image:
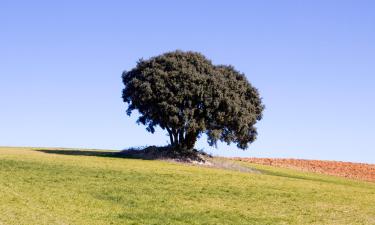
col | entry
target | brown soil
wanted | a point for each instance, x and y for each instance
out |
(359, 171)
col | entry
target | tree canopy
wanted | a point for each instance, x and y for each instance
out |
(187, 95)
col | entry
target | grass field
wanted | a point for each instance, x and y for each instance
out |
(58, 187)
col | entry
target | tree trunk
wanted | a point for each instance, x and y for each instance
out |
(181, 140)
(175, 137)
(170, 136)
(190, 139)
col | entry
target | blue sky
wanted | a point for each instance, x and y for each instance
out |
(313, 62)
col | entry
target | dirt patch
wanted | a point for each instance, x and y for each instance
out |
(358, 171)
(164, 153)
(228, 164)
(195, 157)
(218, 163)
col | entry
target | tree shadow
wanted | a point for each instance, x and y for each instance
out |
(127, 153)
(146, 153)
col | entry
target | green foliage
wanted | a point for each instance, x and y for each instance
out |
(185, 94)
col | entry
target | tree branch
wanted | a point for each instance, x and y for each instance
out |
(170, 135)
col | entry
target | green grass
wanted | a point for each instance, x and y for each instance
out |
(50, 188)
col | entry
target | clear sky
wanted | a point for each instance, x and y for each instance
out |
(313, 62)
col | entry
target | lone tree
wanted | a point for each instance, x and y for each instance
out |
(186, 95)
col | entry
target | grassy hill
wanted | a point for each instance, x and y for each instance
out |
(73, 187)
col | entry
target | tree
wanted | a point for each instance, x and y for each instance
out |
(186, 95)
